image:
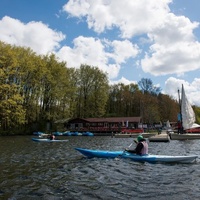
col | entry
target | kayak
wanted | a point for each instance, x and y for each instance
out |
(40, 134)
(67, 133)
(47, 140)
(87, 134)
(144, 158)
(57, 133)
(76, 134)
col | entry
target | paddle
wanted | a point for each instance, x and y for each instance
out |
(119, 156)
(129, 146)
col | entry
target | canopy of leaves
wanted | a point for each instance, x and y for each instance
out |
(38, 89)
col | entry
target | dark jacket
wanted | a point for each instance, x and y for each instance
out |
(138, 148)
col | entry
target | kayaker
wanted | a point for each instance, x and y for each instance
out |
(141, 148)
(52, 137)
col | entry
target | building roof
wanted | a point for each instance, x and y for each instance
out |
(61, 121)
(114, 119)
(106, 120)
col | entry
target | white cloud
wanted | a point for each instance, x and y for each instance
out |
(174, 49)
(35, 35)
(77, 8)
(192, 90)
(112, 70)
(131, 17)
(91, 51)
(123, 80)
(86, 50)
(123, 50)
(168, 40)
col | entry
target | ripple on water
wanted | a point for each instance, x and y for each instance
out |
(56, 171)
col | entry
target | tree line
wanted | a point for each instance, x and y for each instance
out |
(36, 89)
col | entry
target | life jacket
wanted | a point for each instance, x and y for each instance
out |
(145, 148)
(52, 137)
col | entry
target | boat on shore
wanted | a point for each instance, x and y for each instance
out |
(89, 153)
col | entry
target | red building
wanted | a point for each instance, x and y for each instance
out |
(101, 125)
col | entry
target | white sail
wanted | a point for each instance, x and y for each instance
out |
(188, 115)
(168, 125)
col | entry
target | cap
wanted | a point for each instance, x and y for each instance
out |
(140, 137)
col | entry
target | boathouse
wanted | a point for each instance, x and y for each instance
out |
(102, 125)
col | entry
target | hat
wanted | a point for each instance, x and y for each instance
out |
(140, 137)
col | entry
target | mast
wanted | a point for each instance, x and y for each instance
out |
(180, 112)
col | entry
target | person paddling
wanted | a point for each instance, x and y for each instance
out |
(141, 148)
(52, 137)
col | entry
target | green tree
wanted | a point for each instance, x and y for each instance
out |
(11, 109)
(197, 114)
(92, 92)
(124, 100)
(147, 86)
(168, 108)
(35, 89)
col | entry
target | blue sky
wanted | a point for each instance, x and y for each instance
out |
(129, 40)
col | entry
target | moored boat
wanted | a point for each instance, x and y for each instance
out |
(67, 133)
(57, 133)
(87, 134)
(76, 134)
(188, 119)
(144, 158)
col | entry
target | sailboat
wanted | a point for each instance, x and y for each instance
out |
(168, 127)
(188, 120)
(188, 115)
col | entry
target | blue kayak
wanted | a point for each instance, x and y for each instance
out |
(87, 134)
(144, 158)
(76, 134)
(39, 133)
(47, 140)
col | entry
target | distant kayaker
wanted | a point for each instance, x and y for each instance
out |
(141, 148)
(52, 137)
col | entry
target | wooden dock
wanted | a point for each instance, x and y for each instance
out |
(185, 136)
(152, 137)
(163, 137)
(134, 135)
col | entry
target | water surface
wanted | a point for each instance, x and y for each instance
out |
(31, 170)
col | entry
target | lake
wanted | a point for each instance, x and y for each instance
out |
(54, 171)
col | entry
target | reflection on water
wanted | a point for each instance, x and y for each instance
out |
(31, 170)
